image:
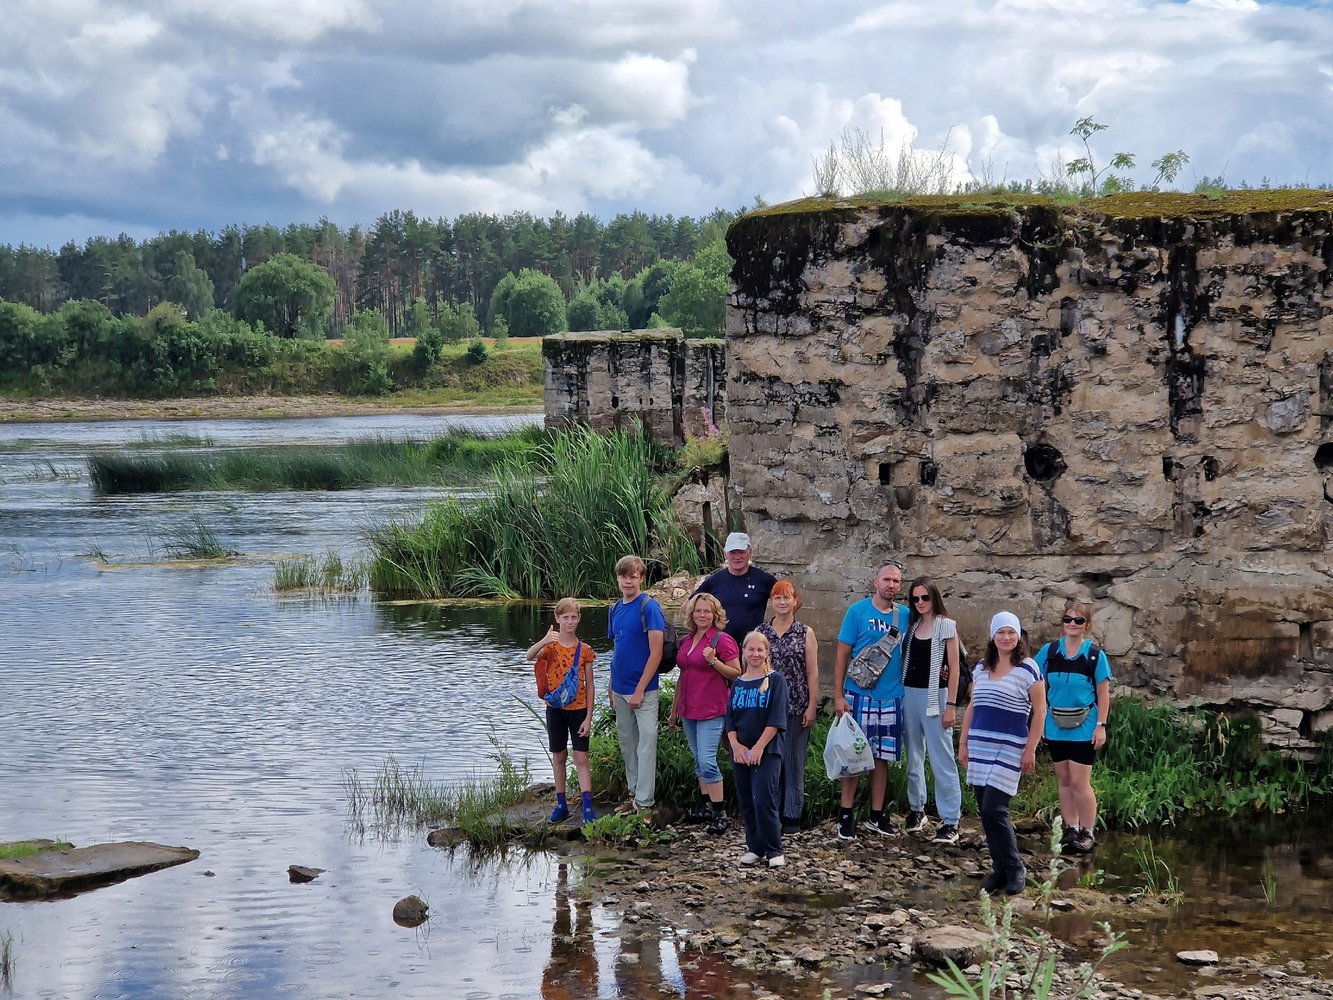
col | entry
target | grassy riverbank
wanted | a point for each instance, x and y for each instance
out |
(546, 537)
(507, 378)
(454, 458)
(1161, 765)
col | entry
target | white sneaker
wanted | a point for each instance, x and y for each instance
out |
(777, 861)
(749, 858)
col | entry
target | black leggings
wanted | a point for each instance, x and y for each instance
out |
(1000, 836)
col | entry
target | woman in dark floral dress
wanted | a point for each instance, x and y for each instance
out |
(795, 656)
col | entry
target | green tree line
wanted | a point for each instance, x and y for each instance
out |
(414, 272)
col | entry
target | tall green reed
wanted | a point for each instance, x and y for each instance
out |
(533, 536)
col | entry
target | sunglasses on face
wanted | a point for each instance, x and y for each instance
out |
(920, 598)
(1074, 620)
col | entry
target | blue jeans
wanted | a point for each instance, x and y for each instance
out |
(925, 737)
(703, 736)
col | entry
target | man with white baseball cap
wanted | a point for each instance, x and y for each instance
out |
(741, 588)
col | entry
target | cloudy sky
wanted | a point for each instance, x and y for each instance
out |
(146, 116)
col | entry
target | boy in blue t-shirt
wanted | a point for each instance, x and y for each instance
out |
(636, 625)
(877, 708)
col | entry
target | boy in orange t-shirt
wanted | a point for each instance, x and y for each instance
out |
(570, 700)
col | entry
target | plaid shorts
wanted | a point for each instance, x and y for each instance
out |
(882, 722)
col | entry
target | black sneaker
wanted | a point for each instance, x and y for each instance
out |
(700, 812)
(916, 822)
(884, 826)
(947, 834)
(1067, 835)
(1084, 841)
(790, 826)
(717, 823)
(994, 883)
(847, 828)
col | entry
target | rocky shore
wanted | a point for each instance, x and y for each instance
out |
(871, 918)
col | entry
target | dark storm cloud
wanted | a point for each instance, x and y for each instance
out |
(186, 113)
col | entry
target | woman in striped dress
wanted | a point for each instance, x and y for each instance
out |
(1001, 729)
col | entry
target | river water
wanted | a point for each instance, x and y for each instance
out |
(189, 705)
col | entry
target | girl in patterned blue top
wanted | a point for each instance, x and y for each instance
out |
(1001, 729)
(756, 717)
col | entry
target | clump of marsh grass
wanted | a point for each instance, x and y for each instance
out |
(540, 537)
(1158, 878)
(402, 798)
(8, 960)
(193, 538)
(330, 574)
(453, 458)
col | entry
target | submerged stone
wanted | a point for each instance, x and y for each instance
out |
(52, 873)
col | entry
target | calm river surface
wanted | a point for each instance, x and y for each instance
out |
(191, 706)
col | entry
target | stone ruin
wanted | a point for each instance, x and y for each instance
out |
(1131, 403)
(656, 378)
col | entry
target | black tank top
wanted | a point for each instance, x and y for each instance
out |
(918, 664)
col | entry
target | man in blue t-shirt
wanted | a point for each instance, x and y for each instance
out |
(876, 705)
(741, 589)
(636, 625)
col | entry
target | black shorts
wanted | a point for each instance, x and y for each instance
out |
(1079, 751)
(562, 728)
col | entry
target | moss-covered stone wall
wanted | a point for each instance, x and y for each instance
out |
(1129, 400)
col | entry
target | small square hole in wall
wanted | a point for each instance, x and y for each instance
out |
(885, 473)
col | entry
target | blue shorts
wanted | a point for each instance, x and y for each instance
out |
(882, 722)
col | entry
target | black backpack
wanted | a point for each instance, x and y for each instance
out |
(1087, 666)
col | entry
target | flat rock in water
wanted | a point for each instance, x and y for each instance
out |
(303, 873)
(54, 872)
(1200, 957)
(962, 945)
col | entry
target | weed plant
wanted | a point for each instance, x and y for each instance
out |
(540, 537)
(193, 539)
(27, 848)
(1269, 883)
(1158, 878)
(403, 798)
(629, 830)
(330, 574)
(7, 960)
(1032, 963)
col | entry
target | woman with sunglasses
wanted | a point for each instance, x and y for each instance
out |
(930, 699)
(1078, 693)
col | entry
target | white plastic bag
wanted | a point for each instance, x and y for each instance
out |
(847, 752)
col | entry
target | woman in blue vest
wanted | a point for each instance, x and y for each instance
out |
(1078, 698)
